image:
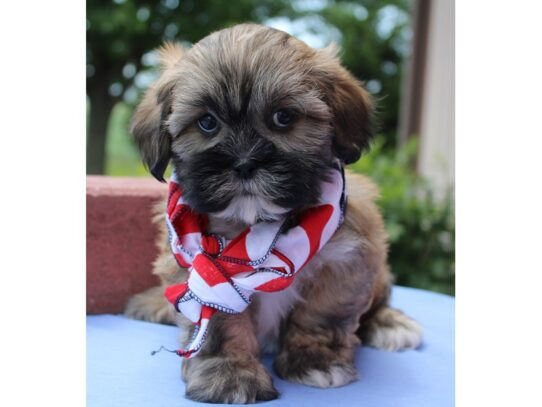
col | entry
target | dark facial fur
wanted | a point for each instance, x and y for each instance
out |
(287, 179)
(250, 168)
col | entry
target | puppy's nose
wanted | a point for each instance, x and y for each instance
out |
(245, 168)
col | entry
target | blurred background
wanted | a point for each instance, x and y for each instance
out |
(403, 51)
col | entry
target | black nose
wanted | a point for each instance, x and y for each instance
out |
(245, 168)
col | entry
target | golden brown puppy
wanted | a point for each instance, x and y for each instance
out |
(251, 119)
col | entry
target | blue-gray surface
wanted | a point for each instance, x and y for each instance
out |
(121, 372)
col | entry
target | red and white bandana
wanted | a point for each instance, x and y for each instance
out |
(225, 273)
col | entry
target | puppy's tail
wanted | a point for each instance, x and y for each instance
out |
(390, 329)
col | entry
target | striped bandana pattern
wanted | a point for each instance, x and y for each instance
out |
(223, 274)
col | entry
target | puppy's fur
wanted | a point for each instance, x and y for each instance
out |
(243, 75)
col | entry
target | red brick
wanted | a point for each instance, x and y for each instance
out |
(120, 239)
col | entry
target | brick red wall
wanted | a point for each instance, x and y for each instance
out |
(120, 239)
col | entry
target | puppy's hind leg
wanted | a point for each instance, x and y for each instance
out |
(151, 306)
(390, 329)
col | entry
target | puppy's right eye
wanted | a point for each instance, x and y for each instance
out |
(283, 118)
(208, 124)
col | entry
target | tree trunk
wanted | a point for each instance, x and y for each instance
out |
(101, 104)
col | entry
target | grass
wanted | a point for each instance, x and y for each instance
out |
(122, 157)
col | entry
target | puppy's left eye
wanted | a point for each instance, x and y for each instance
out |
(208, 124)
(283, 118)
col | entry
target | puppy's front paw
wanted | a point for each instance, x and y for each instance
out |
(314, 370)
(228, 380)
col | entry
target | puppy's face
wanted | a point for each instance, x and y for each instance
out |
(251, 119)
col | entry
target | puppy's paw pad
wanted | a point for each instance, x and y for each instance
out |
(335, 376)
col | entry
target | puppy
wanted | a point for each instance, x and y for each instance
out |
(251, 118)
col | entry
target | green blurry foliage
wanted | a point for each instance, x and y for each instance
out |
(375, 39)
(122, 157)
(421, 227)
(374, 36)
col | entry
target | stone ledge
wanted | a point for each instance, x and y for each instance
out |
(120, 239)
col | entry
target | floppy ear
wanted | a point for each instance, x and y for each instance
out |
(148, 122)
(350, 104)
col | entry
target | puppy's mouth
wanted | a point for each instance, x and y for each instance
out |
(265, 197)
(249, 208)
(249, 187)
(252, 202)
